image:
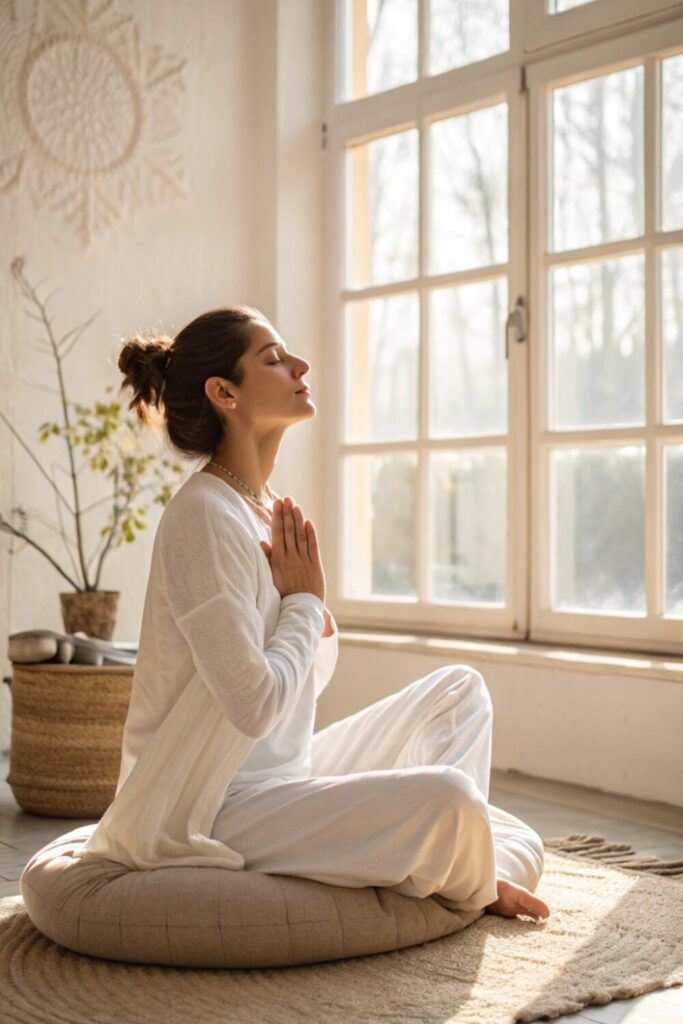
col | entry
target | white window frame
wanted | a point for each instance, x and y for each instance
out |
(545, 29)
(630, 632)
(431, 98)
(526, 614)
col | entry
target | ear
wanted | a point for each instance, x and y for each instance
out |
(217, 390)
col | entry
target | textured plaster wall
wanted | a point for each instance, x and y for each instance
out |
(149, 170)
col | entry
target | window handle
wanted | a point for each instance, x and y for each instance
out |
(517, 320)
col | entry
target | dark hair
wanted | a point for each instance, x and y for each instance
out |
(172, 372)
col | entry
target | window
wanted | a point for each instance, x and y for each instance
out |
(606, 278)
(506, 273)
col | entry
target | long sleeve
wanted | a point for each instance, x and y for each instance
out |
(210, 576)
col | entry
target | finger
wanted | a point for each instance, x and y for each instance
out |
(312, 540)
(277, 525)
(290, 539)
(300, 530)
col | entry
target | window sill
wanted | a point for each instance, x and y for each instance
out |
(572, 659)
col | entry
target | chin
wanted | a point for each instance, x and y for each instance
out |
(310, 410)
(304, 409)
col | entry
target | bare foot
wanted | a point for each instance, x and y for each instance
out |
(514, 899)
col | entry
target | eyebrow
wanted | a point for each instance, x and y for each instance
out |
(267, 345)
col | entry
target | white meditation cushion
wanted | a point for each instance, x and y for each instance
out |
(217, 917)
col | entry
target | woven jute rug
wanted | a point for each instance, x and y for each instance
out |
(615, 931)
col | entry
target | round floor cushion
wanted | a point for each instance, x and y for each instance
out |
(217, 917)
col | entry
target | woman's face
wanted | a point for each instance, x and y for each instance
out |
(272, 378)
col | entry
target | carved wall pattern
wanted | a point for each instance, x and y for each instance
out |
(89, 117)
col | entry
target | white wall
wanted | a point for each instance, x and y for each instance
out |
(248, 232)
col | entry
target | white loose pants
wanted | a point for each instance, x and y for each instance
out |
(398, 797)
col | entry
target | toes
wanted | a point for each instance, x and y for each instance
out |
(533, 905)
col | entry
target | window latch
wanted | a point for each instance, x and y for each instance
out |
(517, 320)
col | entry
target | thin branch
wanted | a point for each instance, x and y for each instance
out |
(42, 281)
(33, 316)
(117, 514)
(48, 297)
(63, 533)
(7, 527)
(17, 270)
(97, 550)
(43, 387)
(28, 450)
(142, 487)
(42, 518)
(78, 331)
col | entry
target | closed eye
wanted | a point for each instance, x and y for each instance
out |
(275, 362)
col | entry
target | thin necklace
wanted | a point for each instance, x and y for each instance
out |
(255, 498)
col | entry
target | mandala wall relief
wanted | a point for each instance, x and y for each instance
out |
(90, 118)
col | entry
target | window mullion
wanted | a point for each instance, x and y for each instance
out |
(651, 145)
(422, 38)
(518, 572)
(538, 494)
(653, 483)
(424, 552)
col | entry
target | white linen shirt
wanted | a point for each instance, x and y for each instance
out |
(224, 688)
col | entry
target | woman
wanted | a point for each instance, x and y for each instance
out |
(394, 795)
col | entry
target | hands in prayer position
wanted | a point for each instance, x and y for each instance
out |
(294, 555)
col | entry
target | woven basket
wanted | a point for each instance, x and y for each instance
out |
(67, 730)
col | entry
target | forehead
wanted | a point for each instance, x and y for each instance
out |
(263, 334)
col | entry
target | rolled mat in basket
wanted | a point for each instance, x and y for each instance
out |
(67, 730)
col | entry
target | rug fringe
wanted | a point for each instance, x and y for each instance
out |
(621, 854)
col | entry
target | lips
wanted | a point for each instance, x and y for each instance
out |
(303, 391)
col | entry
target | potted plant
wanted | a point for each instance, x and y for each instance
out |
(112, 444)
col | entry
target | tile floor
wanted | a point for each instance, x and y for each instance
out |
(551, 808)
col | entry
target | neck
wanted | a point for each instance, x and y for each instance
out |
(249, 457)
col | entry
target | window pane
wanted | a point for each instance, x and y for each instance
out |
(598, 529)
(384, 209)
(468, 502)
(672, 143)
(468, 169)
(671, 278)
(557, 6)
(598, 160)
(597, 352)
(673, 474)
(380, 543)
(381, 372)
(382, 45)
(467, 365)
(464, 31)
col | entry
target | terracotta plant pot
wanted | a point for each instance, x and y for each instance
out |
(90, 611)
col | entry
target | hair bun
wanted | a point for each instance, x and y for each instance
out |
(143, 360)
